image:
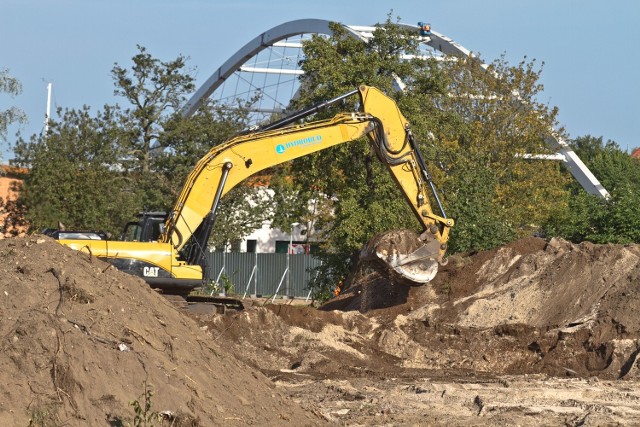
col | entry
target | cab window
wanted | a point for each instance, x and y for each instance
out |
(132, 232)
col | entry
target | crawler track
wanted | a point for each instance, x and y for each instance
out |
(205, 304)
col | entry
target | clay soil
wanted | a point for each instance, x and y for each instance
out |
(532, 333)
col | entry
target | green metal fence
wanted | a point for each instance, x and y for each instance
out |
(264, 274)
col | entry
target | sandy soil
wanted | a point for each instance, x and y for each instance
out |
(81, 341)
(533, 333)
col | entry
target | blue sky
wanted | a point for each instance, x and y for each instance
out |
(588, 48)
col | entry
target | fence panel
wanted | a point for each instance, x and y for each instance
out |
(301, 273)
(271, 268)
(263, 274)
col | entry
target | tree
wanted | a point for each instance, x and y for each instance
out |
(488, 119)
(613, 166)
(472, 122)
(348, 179)
(99, 171)
(74, 175)
(11, 86)
(104, 168)
(156, 90)
(588, 218)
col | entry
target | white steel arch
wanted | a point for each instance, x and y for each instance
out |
(259, 43)
(434, 44)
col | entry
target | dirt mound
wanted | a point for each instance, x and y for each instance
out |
(80, 341)
(530, 333)
(530, 307)
(574, 306)
(533, 331)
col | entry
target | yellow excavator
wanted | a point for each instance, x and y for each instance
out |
(168, 252)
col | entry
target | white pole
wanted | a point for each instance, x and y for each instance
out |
(249, 282)
(255, 283)
(48, 114)
(275, 294)
(286, 291)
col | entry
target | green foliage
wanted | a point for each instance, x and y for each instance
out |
(185, 141)
(97, 171)
(224, 284)
(482, 222)
(144, 415)
(340, 63)
(472, 123)
(155, 90)
(44, 416)
(612, 166)
(489, 119)
(589, 218)
(11, 86)
(328, 276)
(74, 176)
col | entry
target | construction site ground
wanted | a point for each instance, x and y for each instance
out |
(533, 333)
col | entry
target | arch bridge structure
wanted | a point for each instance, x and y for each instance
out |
(265, 71)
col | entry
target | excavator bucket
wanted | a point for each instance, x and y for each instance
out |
(408, 257)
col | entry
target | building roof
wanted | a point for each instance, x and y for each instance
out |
(15, 172)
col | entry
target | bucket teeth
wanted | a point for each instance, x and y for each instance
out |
(403, 254)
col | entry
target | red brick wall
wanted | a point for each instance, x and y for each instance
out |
(8, 177)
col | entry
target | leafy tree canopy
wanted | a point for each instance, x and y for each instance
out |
(589, 218)
(155, 90)
(473, 123)
(98, 171)
(74, 175)
(12, 87)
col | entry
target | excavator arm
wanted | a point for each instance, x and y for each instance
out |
(228, 164)
(174, 263)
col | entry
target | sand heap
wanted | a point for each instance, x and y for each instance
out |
(530, 307)
(81, 341)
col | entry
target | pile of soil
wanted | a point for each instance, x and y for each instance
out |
(566, 309)
(529, 307)
(81, 342)
(531, 333)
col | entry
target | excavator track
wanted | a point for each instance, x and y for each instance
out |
(201, 304)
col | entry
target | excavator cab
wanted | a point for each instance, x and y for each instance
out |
(148, 228)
